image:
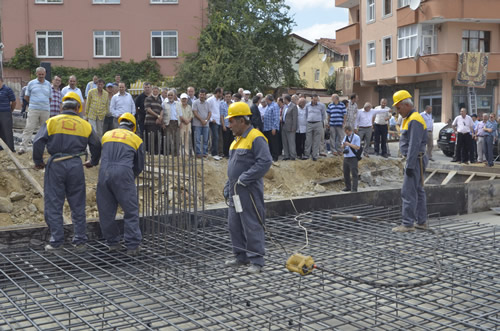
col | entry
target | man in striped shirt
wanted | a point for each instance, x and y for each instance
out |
(55, 97)
(337, 114)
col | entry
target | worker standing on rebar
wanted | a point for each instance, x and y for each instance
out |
(412, 144)
(66, 137)
(249, 161)
(122, 161)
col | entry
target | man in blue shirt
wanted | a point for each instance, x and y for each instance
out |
(7, 105)
(490, 134)
(350, 143)
(336, 117)
(271, 120)
(38, 95)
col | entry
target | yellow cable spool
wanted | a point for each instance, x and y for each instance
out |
(301, 264)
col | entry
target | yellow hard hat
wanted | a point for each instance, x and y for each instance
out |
(238, 109)
(400, 96)
(129, 117)
(74, 96)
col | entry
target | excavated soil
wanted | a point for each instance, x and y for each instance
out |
(285, 179)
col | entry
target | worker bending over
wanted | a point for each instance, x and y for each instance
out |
(66, 137)
(249, 161)
(122, 161)
(412, 145)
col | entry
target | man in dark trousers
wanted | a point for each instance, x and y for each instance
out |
(256, 119)
(66, 137)
(249, 161)
(7, 106)
(289, 127)
(122, 161)
(412, 144)
(350, 144)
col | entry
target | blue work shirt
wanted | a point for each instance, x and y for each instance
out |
(354, 139)
(6, 97)
(39, 94)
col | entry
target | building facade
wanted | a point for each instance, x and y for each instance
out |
(395, 46)
(86, 33)
(303, 46)
(321, 62)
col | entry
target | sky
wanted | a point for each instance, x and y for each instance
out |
(317, 18)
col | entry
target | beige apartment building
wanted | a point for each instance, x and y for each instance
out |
(393, 45)
(86, 33)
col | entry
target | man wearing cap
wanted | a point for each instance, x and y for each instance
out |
(122, 161)
(412, 144)
(249, 161)
(246, 98)
(66, 137)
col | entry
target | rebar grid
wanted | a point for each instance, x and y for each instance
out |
(179, 281)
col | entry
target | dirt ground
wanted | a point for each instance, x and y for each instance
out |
(285, 179)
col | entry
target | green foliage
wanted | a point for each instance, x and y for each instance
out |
(330, 83)
(24, 58)
(130, 72)
(245, 44)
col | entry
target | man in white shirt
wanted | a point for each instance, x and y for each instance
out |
(71, 87)
(429, 122)
(363, 124)
(91, 85)
(463, 126)
(214, 106)
(122, 102)
(380, 127)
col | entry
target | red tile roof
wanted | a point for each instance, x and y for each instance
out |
(332, 45)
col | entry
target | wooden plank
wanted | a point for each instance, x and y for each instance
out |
(470, 178)
(26, 174)
(430, 176)
(493, 177)
(449, 177)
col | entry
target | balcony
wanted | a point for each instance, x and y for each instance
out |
(438, 11)
(348, 35)
(439, 63)
(346, 3)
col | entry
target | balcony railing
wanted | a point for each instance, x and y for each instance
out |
(348, 35)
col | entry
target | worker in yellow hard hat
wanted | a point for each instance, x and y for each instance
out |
(66, 137)
(122, 161)
(249, 161)
(412, 144)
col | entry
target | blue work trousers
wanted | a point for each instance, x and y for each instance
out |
(413, 196)
(116, 186)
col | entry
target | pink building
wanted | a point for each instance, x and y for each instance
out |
(86, 33)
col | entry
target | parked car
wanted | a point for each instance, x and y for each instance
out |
(447, 139)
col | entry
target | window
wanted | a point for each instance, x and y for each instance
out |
(164, 1)
(407, 41)
(106, 43)
(429, 39)
(387, 49)
(164, 43)
(370, 56)
(475, 41)
(356, 58)
(370, 10)
(387, 8)
(403, 3)
(48, 1)
(49, 44)
(316, 75)
(106, 1)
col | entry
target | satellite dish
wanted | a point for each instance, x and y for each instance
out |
(323, 58)
(414, 4)
(331, 71)
(416, 56)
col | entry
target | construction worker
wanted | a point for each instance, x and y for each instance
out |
(412, 145)
(122, 161)
(249, 161)
(66, 137)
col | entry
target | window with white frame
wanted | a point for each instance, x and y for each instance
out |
(386, 7)
(429, 39)
(49, 44)
(403, 3)
(370, 53)
(370, 10)
(164, 43)
(387, 49)
(106, 43)
(163, 1)
(316, 75)
(48, 1)
(407, 41)
(106, 2)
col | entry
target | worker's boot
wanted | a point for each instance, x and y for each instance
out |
(254, 269)
(234, 263)
(423, 226)
(115, 247)
(402, 228)
(134, 252)
(51, 249)
(80, 248)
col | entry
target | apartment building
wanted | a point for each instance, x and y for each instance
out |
(86, 33)
(393, 45)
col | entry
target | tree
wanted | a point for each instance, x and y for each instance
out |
(245, 44)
